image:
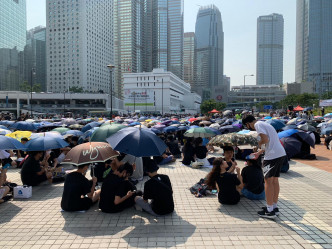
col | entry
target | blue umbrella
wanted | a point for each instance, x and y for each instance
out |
(305, 137)
(328, 115)
(137, 142)
(277, 124)
(87, 134)
(217, 132)
(287, 133)
(292, 146)
(3, 127)
(134, 123)
(289, 127)
(45, 143)
(228, 129)
(326, 131)
(75, 133)
(183, 128)
(7, 123)
(243, 132)
(89, 126)
(24, 126)
(170, 129)
(193, 126)
(156, 131)
(9, 143)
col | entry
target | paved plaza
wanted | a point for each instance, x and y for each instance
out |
(305, 220)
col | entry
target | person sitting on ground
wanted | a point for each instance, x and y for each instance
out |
(73, 142)
(229, 158)
(34, 171)
(21, 153)
(117, 193)
(327, 141)
(253, 180)
(79, 193)
(4, 190)
(188, 154)
(137, 163)
(173, 147)
(164, 159)
(228, 185)
(159, 190)
(201, 152)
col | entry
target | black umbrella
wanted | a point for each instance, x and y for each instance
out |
(292, 146)
(305, 137)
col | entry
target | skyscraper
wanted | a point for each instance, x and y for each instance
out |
(188, 57)
(35, 57)
(79, 45)
(270, 49)
(128, 35)
(163, 33)
(12, 41)
(209, 51)
(314, 43)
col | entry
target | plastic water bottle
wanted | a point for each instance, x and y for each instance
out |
(250, 157)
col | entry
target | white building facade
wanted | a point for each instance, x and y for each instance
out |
(158, 91)
(79, 45)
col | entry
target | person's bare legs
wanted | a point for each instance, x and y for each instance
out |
(7, 189)
(269, 190)
(276, 189)
(96, 195)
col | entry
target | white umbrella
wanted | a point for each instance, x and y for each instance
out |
(215, 126)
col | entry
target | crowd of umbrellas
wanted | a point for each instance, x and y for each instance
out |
(101, 139)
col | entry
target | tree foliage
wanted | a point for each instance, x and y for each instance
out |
(304, 99)
(76, 89)
(25, 87)
(211, 104)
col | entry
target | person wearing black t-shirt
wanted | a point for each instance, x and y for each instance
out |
(117, 193)
(229, 158)
(201, 151)
(159, 190)
(327, 141)
(228, 185)
(76, 188)
(253, 181)
(173, 147)
(188, 152)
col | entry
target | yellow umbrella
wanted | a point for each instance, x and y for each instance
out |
(148, 120)
(18, 135)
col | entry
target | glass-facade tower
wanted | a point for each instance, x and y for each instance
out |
(12, 41)
(270, 49)
(188, 57)
(314, 43)
(209, 51)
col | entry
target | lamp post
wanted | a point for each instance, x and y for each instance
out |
(244, 82)
(64, 94)
(162, 97)
(134, 101)
(33, 72)
(111, 67)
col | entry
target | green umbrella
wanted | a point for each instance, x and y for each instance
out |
(199, 132)
(61, 130)
(106, 131)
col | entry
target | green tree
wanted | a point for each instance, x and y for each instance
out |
(36, 88)
(25, 87)
(76, 89)
(211, 104)
(327, 95)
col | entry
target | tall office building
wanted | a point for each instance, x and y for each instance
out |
(209, 51)
(12, 41)
(314, 43)
(128, 40)
(35, 57)
(163, 35)
(188, 57)
(270, 50)
(79, 45)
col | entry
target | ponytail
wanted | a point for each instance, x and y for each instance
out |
(215, 172)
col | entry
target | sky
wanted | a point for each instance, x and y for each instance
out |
(239, 19)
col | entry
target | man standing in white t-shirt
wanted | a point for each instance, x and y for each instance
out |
(274, 158)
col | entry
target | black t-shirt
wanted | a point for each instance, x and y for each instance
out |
(75, 186)
(159, 190)
(253, 179)
(188, 154)
(173, 148)
(30, 169)
(229, 164)
(113, 185)
(200, 152)
(227, 188)
(158, 159)
(328, 140)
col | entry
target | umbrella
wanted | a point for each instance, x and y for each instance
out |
(4, 131)
(87, 134)
(3, 127)
(90, 126)
(267, 117)
(205, 122)
(287, 133)
(214, 111)
(75, 133)
(45, 143)
(24, 126)
(228, 129)
(9, 143)
(328, 115)
(170, 129)
(305, 137)
(233, 139)
(90, 152)
(292, 146)
(75, 126)
(106, 131)
(298, 108)
(183, 128)
(215, 126)
(7, 123)
(276, 123)
(18, 135)
(192, 120)
(326, 131)
(199, 132)
(227, 112)
(46, 134)
(137, 142)
(215, 131)
(156, 131)
(134, 123)
(69, 121)
(243, 132)
(61, 130)
(167, 122)
(159, 127)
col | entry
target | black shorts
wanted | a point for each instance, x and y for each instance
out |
(271, 168)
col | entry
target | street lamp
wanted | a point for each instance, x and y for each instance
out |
(64, 93)
(244, 82)
(111, 67)
(134, 101)
(33, 72)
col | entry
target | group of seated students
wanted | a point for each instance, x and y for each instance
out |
(195, 151)
(230, 186)
(118, 192)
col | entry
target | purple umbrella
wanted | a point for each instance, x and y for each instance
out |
(159, 127)
(167, 122)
